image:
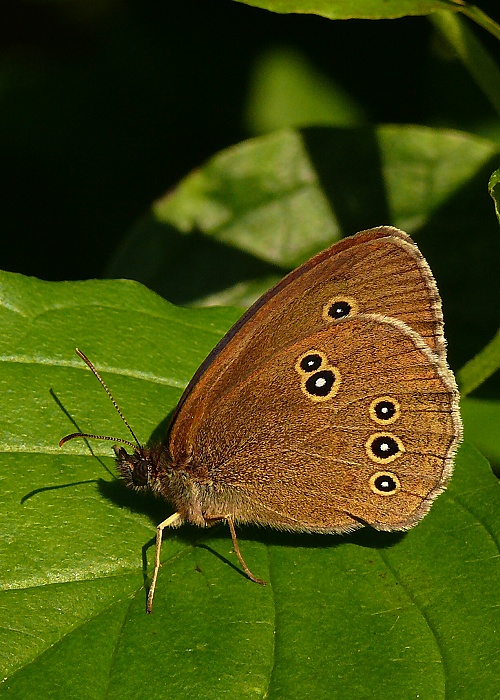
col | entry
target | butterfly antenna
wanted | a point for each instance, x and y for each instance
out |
(66, 438)
(110, 395)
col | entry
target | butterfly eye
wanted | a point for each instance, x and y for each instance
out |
(384, 410)
(322, 385)
(140, 473)
(384, 483)
(339, 307)
(384, 447)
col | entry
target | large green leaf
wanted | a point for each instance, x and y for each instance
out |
(369, 615)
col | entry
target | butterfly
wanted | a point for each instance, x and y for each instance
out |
(328, 406)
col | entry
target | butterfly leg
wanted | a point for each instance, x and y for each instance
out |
(171, 520)
(236, 548)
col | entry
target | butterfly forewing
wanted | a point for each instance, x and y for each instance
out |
(379, 271)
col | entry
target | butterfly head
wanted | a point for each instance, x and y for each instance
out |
(139, 469)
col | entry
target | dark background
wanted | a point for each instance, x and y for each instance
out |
(107, 104)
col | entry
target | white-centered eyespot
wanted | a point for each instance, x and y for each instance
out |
(384, 447)
(323, 384)
(310, 361)
(384, 410)
(339, 307)
(384, 483)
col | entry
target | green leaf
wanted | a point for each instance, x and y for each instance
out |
(380, 9)
(260, 208)
(287, 90)
(254, 211)
(480, 367)
(232, 228)
(361, 9)
(494, 190)
(481, 418)
(339, 613)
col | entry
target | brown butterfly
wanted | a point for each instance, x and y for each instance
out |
(328, 406)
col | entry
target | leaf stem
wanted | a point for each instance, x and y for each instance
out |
(481, 18)
(460, 36)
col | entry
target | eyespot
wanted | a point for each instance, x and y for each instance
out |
(322, 385)
(310, 362)
(384, 483)
(339, 307)
(384, 447)
(384, 410)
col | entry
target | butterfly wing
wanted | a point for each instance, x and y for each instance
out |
(377, 271)
(356, 423)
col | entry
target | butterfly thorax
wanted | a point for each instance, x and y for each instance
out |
(198, 500)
